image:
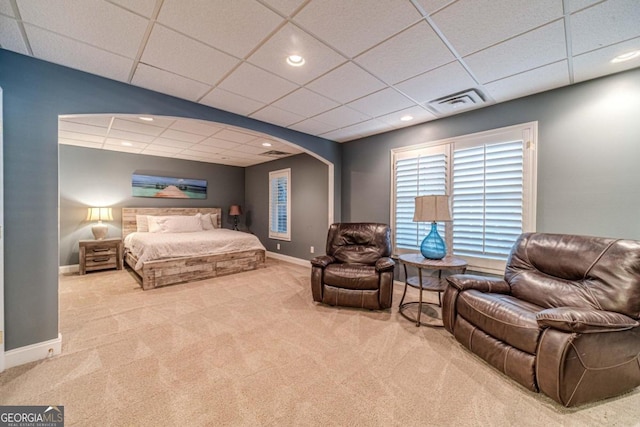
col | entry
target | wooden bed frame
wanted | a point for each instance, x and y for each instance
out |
(154, 274)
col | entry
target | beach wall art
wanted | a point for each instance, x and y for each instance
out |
(168, 187)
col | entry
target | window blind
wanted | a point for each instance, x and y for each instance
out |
(279, 205)
(487, 199)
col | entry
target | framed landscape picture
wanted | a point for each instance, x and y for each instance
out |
(168, 187)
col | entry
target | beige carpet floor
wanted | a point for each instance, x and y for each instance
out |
(253, 349)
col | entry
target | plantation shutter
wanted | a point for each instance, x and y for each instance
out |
(487, 199)
(417, 175)
(279, 204)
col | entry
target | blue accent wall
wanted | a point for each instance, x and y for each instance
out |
(35, 94)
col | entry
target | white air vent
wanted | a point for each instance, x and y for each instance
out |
(275, 153)
(457, 102)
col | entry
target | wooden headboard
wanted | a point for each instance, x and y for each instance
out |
(129, 215)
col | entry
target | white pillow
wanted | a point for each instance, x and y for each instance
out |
(209, 221)
(142, 224)
(174, 224)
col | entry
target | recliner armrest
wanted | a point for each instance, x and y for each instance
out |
(463, 282)
(584, 320)
(322, 261)
(385, 264)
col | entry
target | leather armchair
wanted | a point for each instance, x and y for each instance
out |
(357, 270)
(563, 320)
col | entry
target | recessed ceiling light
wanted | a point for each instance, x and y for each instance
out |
(295, 60)
(146, 119)
(626, 57)
(266, 144)
(126, 144)
(406, 118)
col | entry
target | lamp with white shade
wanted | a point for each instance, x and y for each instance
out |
(99, 230)
(434, 209)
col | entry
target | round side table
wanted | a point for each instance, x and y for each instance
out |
(429, 283)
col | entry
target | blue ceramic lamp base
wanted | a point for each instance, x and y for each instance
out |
(433, 247)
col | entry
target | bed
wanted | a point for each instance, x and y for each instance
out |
(170, 269)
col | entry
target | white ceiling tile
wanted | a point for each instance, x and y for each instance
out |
(412, 52)
(598, 62)
(442, 81)
(312, 127)
(431, 6)
(346, 83)
(111, 142)
(142, 7)
(286, 7)
(341, 117)
(252, 150)
(182, 136)
(575, 5)
(165, 82)
(359, 130)
(224, 100)
(202, 148)
(305, 103)
(198, 127)
(159, 121)
(79, 143)
(216, 144)
(121, 148)
(291, 40)
(137, 127)
(81, 128)
(471, 25)
(353, 26)
(277, 116)
(235, 26)
(380, 103)
(130, 136)
(538, 80)
(80, 136)
(162, 148)
(231, 134)
(536, 48)
(70, 53)
(11, 37)
(171, 143)
(93, 22)
(605, 24)
(419, 114)
(148, 152)
(6, 9)
(101, 120)
(254, 83)
(181, 55)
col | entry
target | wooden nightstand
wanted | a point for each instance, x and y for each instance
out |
(100, 254)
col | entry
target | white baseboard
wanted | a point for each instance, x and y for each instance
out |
(287, 258)
(33, 352)
(63, 269)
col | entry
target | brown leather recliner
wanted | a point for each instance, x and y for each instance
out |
(357, 270)
(563, 320)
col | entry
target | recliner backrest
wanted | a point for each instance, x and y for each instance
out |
(359, 243)
(559, 270)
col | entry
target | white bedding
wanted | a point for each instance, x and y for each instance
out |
(155, 246)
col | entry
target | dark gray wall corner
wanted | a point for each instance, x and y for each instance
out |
(309, 212)
(588, 153)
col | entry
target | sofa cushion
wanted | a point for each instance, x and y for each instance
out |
(351, 276)
(504, 317)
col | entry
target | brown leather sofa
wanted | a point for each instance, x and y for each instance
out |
(563, 320)
(357, 270)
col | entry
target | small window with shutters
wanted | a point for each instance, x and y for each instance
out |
(280, 204)
(490, 178)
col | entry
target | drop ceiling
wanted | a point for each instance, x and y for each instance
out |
(368, 63)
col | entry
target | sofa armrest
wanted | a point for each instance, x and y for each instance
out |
(584, 320)
(322, 261)
(463, 282)
(385, 264)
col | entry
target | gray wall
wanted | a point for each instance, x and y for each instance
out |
(588, 157)
(309, 213)
(90, 177)
(35, 93)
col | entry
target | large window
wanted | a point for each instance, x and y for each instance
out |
(490, 178)
(280, 204)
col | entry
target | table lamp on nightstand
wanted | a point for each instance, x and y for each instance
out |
(432, 209)
(99, 230)
(235, 211)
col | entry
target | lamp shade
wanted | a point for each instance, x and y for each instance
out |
(432, 208)
(99, 214)
(235, 210)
